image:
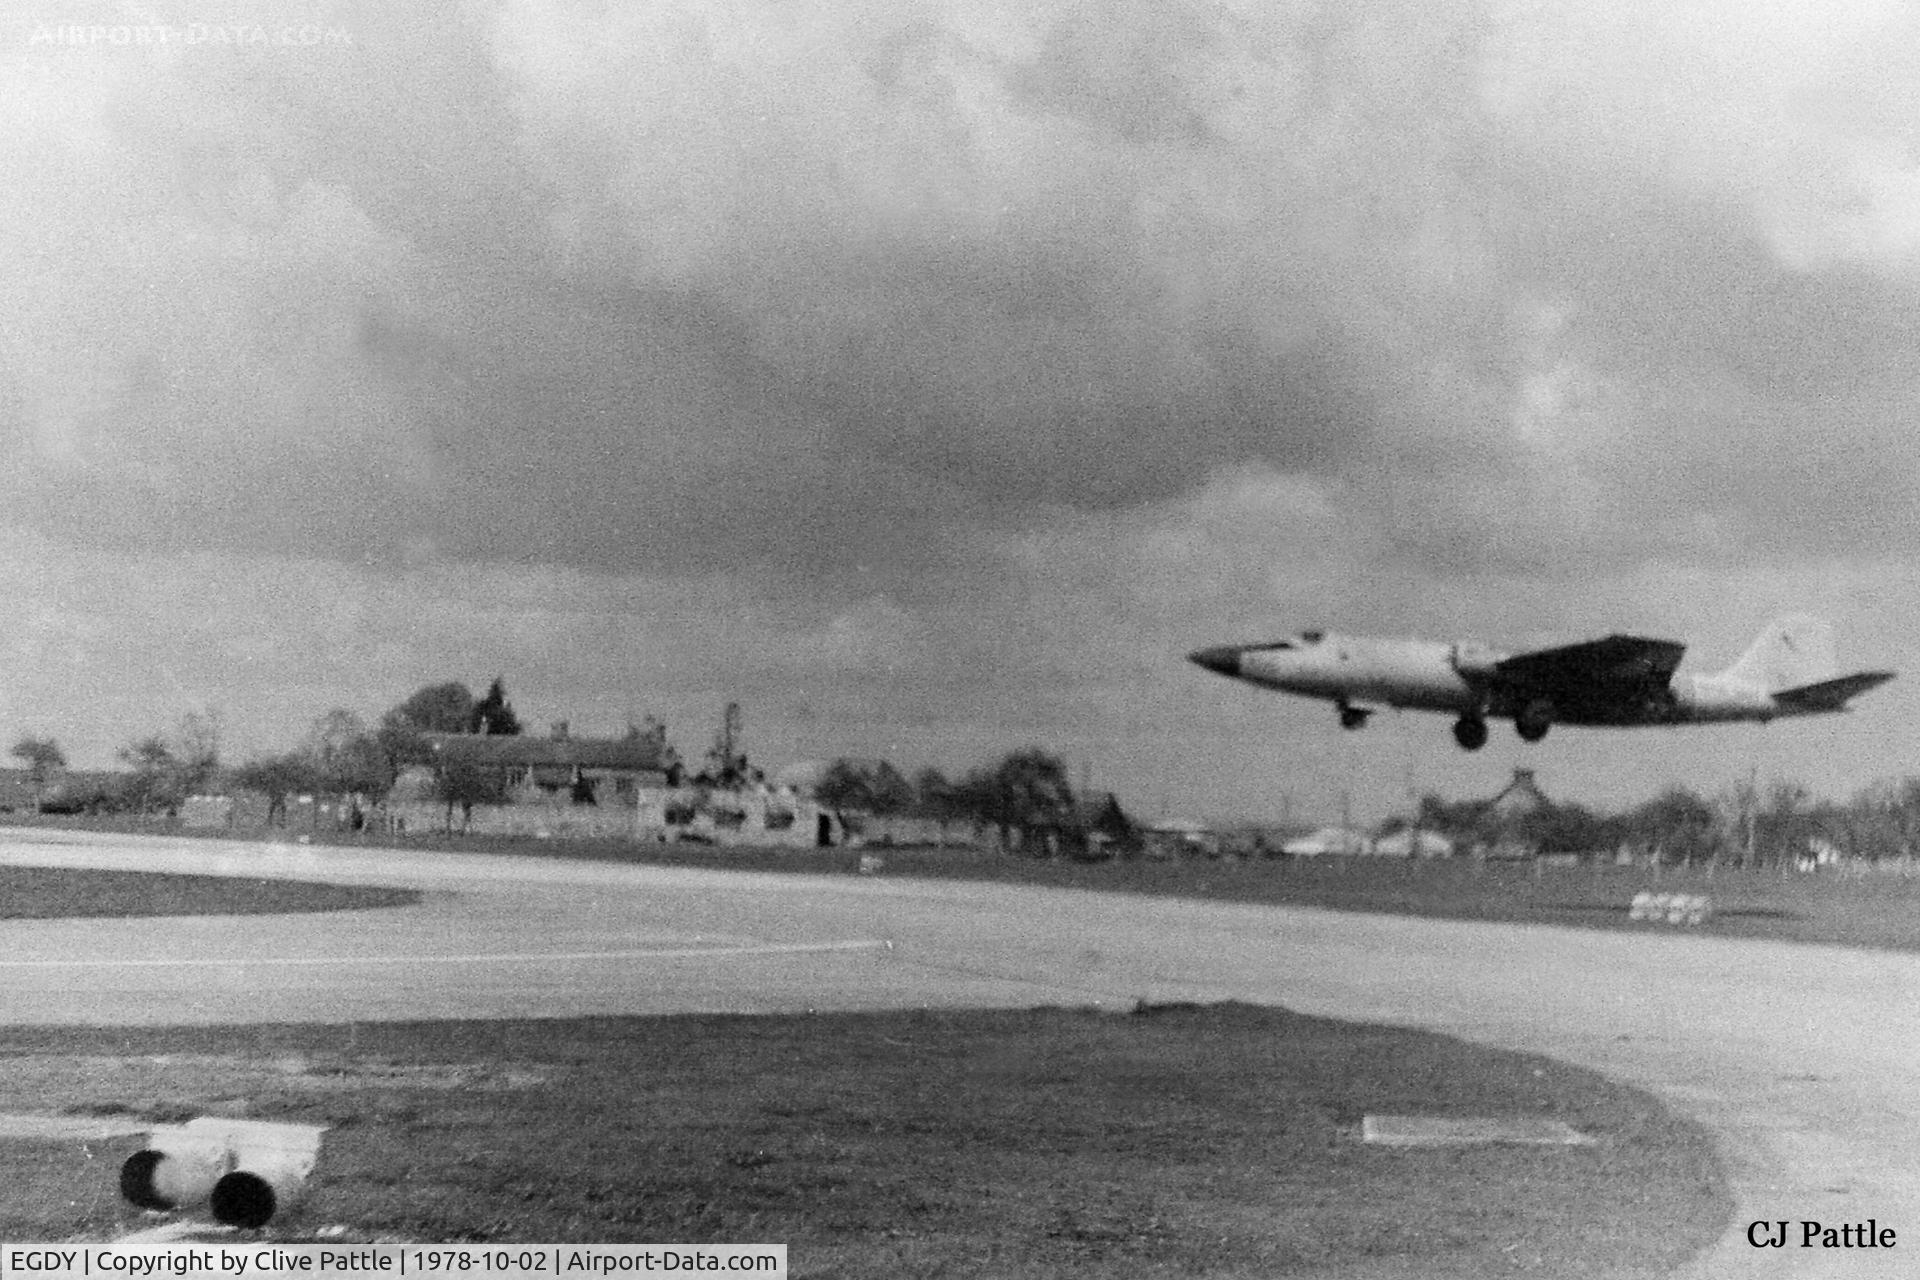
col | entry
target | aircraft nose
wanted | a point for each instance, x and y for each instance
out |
(1221, 659)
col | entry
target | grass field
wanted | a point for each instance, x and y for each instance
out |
(43, 893)
(1871, 909)
(1875, 909)
(1216, 1141)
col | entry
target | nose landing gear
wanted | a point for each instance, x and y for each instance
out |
(1352, 717)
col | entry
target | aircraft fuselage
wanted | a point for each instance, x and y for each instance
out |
(1619, 681)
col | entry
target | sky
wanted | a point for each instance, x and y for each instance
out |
(930, 377)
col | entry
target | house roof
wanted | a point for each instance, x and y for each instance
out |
(635, 754)
(1522, 795)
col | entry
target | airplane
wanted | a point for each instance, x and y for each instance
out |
(1617, 681)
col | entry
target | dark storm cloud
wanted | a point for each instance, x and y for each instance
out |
(846, 295)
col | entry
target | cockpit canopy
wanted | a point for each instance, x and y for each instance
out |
(1305, 640)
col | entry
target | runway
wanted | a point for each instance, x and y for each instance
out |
(1805, 1061)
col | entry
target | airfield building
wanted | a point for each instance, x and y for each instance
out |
(627, 787)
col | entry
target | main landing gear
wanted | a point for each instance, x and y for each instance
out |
(1470, 731)
(1534, 720)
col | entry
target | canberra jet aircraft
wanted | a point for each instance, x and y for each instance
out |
(1617, 681)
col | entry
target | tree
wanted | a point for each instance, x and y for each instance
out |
(277, 777)
(727, 758)
(155, 773)
(167, 768)
(43, 759)
(436, 708)
(845, 785)
(345, 758)
(439, 708)
(1027, 791)
(197, 750)
(889, 791)
(333, 732)
(466, 785)
(933, 795)
(1460, 819)
(868, 786)
(1884, 819)
(1676, 826)
(360, 768)
(1786, 822)
(493, 713)
(1565, 828)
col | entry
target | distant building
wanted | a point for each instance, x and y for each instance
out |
(1105, 830)
(627, 787)
(1511, 821)
(1413, 842)
(590, 770)
(1521, 797)
(1328, 840)
(1179, 837)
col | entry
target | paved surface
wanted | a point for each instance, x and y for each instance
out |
(1804, 1060)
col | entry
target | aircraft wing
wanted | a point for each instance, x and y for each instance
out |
(1593, 667)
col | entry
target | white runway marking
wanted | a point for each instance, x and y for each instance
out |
(478, 957)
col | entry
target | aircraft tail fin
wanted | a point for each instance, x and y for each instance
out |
(1794, 652)
(1830, 695)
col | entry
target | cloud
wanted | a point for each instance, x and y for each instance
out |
(838, 294)
(951, 344)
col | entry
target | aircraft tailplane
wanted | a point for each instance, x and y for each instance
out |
(1793, 652)
(1831, 695)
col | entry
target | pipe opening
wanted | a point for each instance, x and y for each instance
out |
(242, 1199)
(137, 1180)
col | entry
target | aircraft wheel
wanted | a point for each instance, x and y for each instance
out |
(1470, 732)
(1353, 718)
(1534, 720)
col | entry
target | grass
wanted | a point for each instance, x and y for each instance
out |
(1872, 910)
(1204, 1141)
(46, 893)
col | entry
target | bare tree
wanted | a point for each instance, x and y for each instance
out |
(155, 773)
(346, 757)
(43, 759)
(197, 749)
